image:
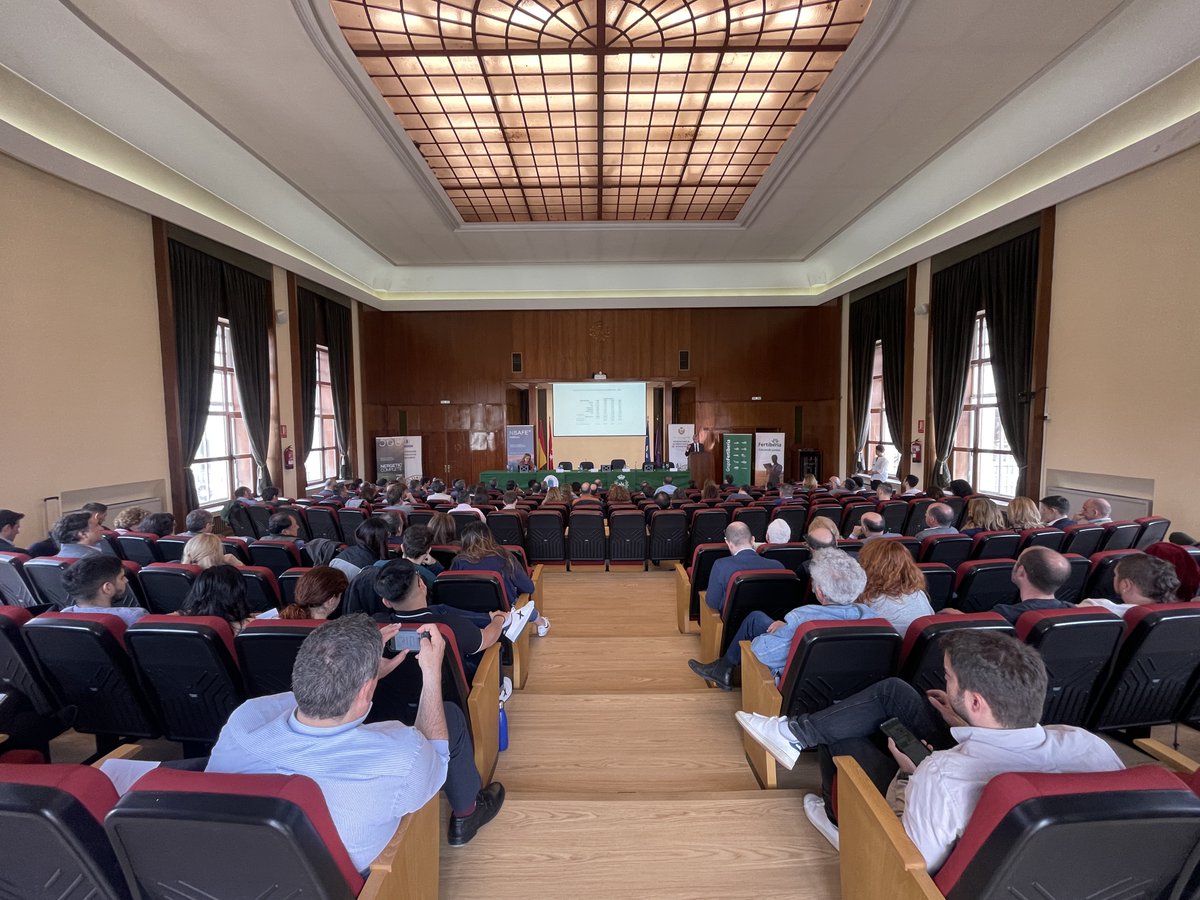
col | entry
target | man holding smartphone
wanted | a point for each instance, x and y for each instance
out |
(984, 723)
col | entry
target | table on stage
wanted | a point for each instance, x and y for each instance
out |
(633, 478)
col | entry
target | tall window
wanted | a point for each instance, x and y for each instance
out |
(877, 426)
(322, 462)
(223, 461)
(981, 452)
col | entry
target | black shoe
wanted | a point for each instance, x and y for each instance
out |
(719, 673)
(487, 804)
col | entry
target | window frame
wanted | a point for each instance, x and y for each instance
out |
(326, 454)
(230, 411)
(975, 402)
(877, 424)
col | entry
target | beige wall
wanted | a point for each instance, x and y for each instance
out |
(82, 404)
(1124, 363)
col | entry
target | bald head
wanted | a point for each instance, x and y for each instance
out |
(737, 534)
(872, 523)
(939, 515)
(1043, 569)
(1096, 508)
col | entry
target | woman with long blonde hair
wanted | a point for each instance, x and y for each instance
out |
(1022, 513)
(206, 551)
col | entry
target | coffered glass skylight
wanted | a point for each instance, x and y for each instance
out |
(600, 110)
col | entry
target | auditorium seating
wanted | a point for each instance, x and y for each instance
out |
(828, 661)
(239, 520)
(981, 584)
(995, 545)
(323, 523)
(444, 553)
(922, 662)
(793, 554)
(754, 518)
(287, 584)
(278, 556)
(951, 549)
(1102, 570)
(189, 669)
(1072, 590)
(1051, 538)
(15, 587)
(1120, 536)
(668, 535)
(266, 651)
(692, 581)
(45, 574)
(1153, 530)
(770, 591)
(910, 543)
(171, 547)
(1082, 539)
(545, 541)
(708, 526)
(939, 584)
(894, 513)
(852, 514)
(587, 544)
(272, 835)
(916, 516)
(262, 588)
(1132, 830)
(167, 585)
(461, 520)
(84, 661)
(506, 527)
(1077, 646)
(238, 547)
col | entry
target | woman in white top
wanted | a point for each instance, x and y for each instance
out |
(895, 586)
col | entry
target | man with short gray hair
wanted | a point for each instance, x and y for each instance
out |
(742, 557)
(939, 518)
(198, 521)
(370, 775)
(1095, 511)
(838, 581)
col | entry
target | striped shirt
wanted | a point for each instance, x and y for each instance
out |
(370, 775)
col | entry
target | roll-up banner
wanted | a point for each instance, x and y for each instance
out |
(398, 457)
(738, 454)
(679, 439)
(519, 443)
(768, 453)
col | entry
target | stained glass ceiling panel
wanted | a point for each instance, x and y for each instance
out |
(603, 110)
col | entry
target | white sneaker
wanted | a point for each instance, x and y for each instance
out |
(505, 689)
(766, 730)
(544, 628)
(518, 619)
(814, 810)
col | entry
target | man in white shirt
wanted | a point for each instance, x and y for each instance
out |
(437, 492)
(881, 466)
(1140, 580)
(984, 723)
(667, 487)
(1094, 511)
(370, 775)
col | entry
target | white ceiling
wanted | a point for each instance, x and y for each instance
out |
(251, 122)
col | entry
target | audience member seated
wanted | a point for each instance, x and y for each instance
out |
(198, 521)
(399, 497)
(221, 592)
(464, 505)
(810, 483)
(318, 593)
(206, 551)
(94, 584)
(481, 553)
(415, 544)
(10, 527)
(243, 496)
(1039, 572)
(159, 524)
(366, 495)
(933, 492)
(282, 528)
(370, 775)
(270, 497)
(1139, 580)
(910, 486)
(960, 487)
(742, 494)
(406, 600)
(1186, 569)
(329, 489)
(668, 486)
(98, 511)
(78, 535)
(129, 519)
(895, 586)
(884, 492)
(1094, 511)
(442, 528)
(838, 582)
(870, 527)
(984, 723)
(437, 492)
(742, 557)
(1022, 514)
(939, 519)
(822, 534)
(982, 515)
(370, 546)
(619, 493)
(778, 532)
(1055, 510)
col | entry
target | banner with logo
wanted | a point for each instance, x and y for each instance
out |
(398, 457)
(519, 443)
(768, 454)
(679, 439)
(738, 455)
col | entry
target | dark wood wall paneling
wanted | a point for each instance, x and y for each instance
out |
(413, 361)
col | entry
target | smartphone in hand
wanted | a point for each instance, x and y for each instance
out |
(906, 742)
(408, 640)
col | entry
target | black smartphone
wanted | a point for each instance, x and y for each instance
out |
(906, 741)
(408, 640)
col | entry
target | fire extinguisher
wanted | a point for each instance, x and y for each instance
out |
(915, 449)
(289, 458)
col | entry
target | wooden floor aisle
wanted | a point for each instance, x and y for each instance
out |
(625, 775)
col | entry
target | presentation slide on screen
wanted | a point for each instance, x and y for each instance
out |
(599, 408)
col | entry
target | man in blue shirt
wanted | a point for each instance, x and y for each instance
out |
(838, 581)
(742, 557)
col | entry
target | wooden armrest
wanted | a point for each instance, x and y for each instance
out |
(536, 577)
(483, 711)
(878, 859)
(759, 695)
(125, 751)
(711, 629)
(408, 866)
(683, 595)
(1171, 758)
(520, 647)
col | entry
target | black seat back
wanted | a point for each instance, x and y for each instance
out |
(1072, 589)
(915, 521)
(951, 549)
(922, 661)
(18, 673)
(46, 575)
(981, 584)
(894, 513)
(167, 585)
(772, 591)
(587, 542)
(1120, 536)
(1082, 539)
(476, 591)
(708, 526)
(1051, 538)
(15, 587)
(544, 539)
(995, 545)
(506, 527)
(1078, 646)
(260, 516)
(668, 535)
(627, 537)
(277, 556)
(323, 523)
(755, 518)
(939, 584)
(1100, 581)
(266, 651)
(830, 661)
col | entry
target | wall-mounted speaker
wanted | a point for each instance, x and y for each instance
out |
(517, 363)
(685, 360)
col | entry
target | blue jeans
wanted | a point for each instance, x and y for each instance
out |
(752, 626)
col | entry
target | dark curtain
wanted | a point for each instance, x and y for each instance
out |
(196, 289)
(954, 303)
(338, 337)
(891, 304)
(309, 311)
(863, 328)
(1008, 283)
(248, 308)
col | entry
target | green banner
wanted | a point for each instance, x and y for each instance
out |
(739, 457)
